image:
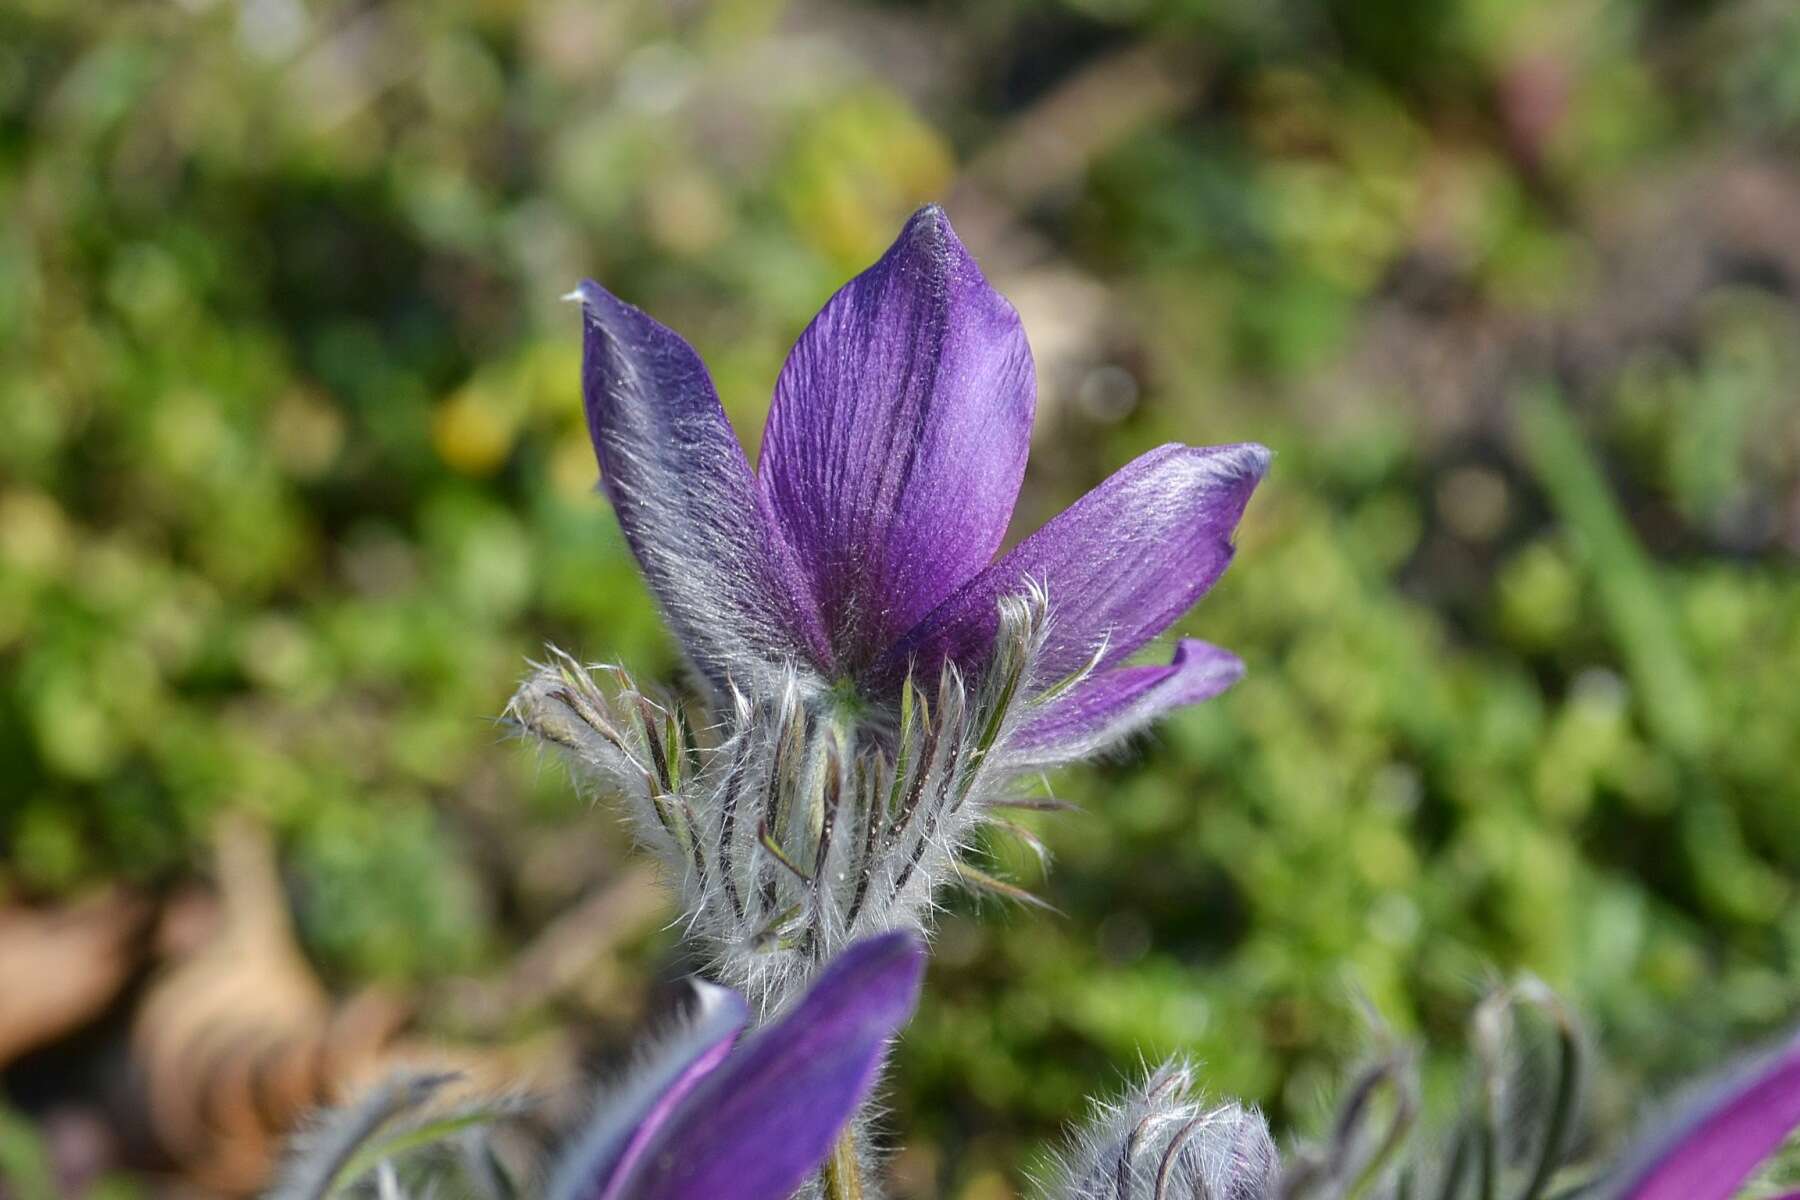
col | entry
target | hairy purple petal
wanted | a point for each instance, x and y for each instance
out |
(758, 1125)
(1720, 1142)
(898, 437)
(613, 1145)
(690, 508)
(1120, 565)
(1112, 705)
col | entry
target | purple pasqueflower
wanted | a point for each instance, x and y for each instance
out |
(1718, 1142)
(861, 550)
(711, 1119)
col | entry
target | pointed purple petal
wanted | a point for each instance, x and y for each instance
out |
(756, 1127)
(898, 437)
(1108, 707)
(613, 1145)
(1121, 564)
(685, 498)
(1720, 1143)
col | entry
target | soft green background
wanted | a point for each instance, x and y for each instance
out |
(293, 478)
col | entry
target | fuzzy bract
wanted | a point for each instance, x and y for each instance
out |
(1162, 1141)
(789, 828)
(1706, 1147)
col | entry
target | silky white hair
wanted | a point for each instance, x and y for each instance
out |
(801, 821)
(1163, 1140)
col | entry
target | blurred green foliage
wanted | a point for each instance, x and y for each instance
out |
(292, 478)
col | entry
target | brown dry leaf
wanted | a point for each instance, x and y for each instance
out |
(228, 1039)
(239, 1042)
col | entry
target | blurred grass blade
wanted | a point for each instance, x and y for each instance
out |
(1638, 616)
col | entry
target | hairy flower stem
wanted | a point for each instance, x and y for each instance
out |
(842, 1177)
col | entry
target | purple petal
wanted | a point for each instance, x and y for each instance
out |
(686, 500)
(1112, 705)
(1121, 564)
(616, 1141)
(1720, 1143)
(756, 1127)
(898, 437)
